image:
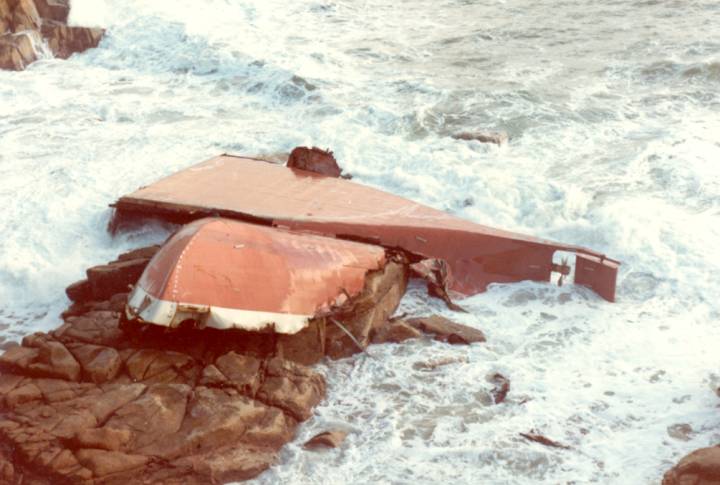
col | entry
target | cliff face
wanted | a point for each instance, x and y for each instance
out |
(25, 23)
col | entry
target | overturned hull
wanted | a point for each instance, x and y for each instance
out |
(224, 274)
(265, 193)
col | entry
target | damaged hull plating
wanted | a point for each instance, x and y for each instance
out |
(265, 193)
(222, 273)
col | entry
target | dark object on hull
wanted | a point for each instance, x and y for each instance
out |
(264, 193)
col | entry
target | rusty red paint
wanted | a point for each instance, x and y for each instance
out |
(267, 193)
(218, 266)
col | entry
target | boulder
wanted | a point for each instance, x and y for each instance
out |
(395, 332)
(446, 330)
(701, 467)
(79, 291)
(17, 51)
(57, 10)
(109, 279)
(65, 41)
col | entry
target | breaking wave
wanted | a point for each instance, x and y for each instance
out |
(611, 110)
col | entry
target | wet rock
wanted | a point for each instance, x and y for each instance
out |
(17, 51)
(680, 431)
(501, 389)
(701, 467)
(446, 330)
(314, 160)
(291, 387)
(109, 279)
(101, 410)
(368, 312)
(498, 138)
(395, 332)
(327, 439)
(57, 10)
(305, 347)
(435, 363)
(65, 41)
(543, 440)
(79, 291)
(29, 20)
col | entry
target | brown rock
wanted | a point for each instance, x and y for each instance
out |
(17, 51)
(5, 17)
(25, 16)
(102, 462)
(106, 430)
(57, 10)
(368, 312)
(79, 291)
(291, 387)
(314, 160)
(701, 467)
(108, 279)
(99, 328)
(501, 389)
(65, 41)
(327, 439)
(54, 360)
(395, 332)
(241, 371)
(99, 364)
(102, 438)
(446, 330)
(306, 347)
(140, 253)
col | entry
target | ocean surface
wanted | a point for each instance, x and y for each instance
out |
(613, 113)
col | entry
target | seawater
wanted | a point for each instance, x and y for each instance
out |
(613, 113)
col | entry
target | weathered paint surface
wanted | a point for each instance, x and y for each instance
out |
(263, 192)
(230, 274)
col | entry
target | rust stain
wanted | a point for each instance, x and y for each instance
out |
(265, 193)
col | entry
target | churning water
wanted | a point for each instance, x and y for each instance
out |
(613, 109)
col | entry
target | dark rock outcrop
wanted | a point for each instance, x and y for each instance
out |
(446, 330)
(87, 404)
(24, 22)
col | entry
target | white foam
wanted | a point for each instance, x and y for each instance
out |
(613, 146)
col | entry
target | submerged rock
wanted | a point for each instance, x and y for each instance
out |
(446, 330)
(327, 439)
(496, 137)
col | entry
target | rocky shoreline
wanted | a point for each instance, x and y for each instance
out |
(96, 402)
(26, 24)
